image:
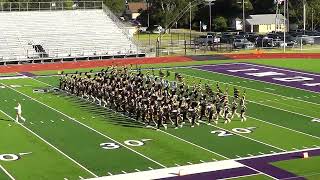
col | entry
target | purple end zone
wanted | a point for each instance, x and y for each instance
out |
(263, 164)
(290, 78)
(28, 74)
(222, 174)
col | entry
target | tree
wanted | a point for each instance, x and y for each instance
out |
(117, 6)
(220, 24)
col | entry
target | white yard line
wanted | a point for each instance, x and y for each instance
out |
(7, 173)
(241, 176)
(244, 136)
(274, 108)
(152, 128)
(52, 146)
(249, 87)
(284, 127)
(98, 132)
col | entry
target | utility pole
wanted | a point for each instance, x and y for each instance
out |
(190, 20)
(285, 26)
(312, 24)
(243, 17)
(304, 15)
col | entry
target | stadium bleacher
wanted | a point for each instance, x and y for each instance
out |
(57, 34)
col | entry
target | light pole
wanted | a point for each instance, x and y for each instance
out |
(243, 15)
(210, 13)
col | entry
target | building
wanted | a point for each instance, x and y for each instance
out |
(265, 23)
(134, 9)
(236, 24)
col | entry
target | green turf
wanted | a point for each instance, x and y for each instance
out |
(298, 64)
(3, 175)
(16, 139)
(287, 113)
(307, 168)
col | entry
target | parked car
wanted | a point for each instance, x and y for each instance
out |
(304, 39)
(204, 40)
(242, 44)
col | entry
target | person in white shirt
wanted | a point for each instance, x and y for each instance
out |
(19, 112)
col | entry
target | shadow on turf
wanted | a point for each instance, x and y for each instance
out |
(1, 119)
(107, 114)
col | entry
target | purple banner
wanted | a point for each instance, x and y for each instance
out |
(285, 77)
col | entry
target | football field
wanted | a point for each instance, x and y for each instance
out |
(66, 137)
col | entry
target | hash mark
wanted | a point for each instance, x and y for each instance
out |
(150, 168)
(83, 118)
(81, 177)
(9, 125)
(214, 159)
(202, 161)
(31, 122)
(189, 162)
(238, 156)
(41, 122)
(177, 164)
(65, 178)
(124, 172)
(62, 119)
(5, 100)
(305, 147)
(250, 154)
(110, 173)
(52, 121)
(272, 151)
(295, 149)
(137, 170)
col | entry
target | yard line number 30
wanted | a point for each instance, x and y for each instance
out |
(133, 143)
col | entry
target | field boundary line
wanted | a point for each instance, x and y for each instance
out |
(181, 139)
(35, 134)
(6, 172)
(249, 87)
(274, 108)
(246, 137)
(255, 174)
(98, 132)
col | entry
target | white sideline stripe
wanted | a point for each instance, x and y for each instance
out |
(7, 173)
(243, 136)
(249, 87)
(174, 171)
(98, 132)
(51, 145)
(13, 77)
(255, 174)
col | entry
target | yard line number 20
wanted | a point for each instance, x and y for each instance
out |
(223, 133)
